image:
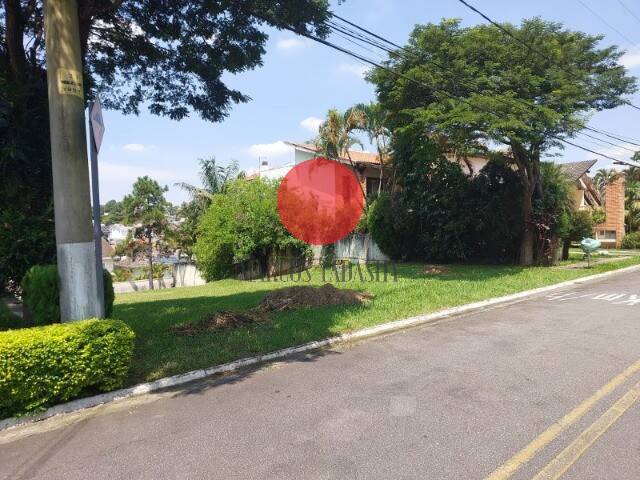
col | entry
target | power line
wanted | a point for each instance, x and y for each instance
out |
(522, 42)
(607, 142)
(349, 31)
(383, 67)
(631, 12)
(602, 19)
(371, 62)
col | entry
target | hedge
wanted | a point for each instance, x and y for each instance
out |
(42, 366)
(631, 241)
(41, 295)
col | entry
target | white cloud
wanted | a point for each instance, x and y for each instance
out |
(631, 59)
(289, 44)
(117, 173)
(270, 150)
(312, 124)
(354, 69)
(135, 147)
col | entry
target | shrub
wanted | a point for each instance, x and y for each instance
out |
(109, 294)
(242, 224)
(41, 295)
(8, 320)
(385, 229)
(42, 366)
(631, 241)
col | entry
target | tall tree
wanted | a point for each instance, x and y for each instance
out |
(336, 135)
(603, 178)
(146, 209)
(374, 125)
(170, 56)
(477, 84)
(215, 179)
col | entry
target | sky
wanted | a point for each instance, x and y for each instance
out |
(300, 80)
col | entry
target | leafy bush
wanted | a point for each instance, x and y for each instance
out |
(386, 229)
(631, 241)
(242, 224)
(122, 274)
(442, 214)
(42, 366)
(8, 320)
(41, 295)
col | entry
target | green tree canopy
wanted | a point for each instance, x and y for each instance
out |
(480, 88)
(169, 56)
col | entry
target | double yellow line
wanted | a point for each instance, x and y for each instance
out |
(569, 455)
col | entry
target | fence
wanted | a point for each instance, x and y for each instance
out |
(182, 275)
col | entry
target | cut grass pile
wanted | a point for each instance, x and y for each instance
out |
(159, 352)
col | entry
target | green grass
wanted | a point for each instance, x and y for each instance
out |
(160, 353)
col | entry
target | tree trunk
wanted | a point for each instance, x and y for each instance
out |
(150, 264)
(565, 249)
(527, 243)
(14, 30)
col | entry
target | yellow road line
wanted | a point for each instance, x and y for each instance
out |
(569, 455)
(542, 440)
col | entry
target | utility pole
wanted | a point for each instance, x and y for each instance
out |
(74, 231)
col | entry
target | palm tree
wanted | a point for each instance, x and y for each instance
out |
(336, 136)
(632, 202)
(214, 179)
(374, 125)
(604, 177)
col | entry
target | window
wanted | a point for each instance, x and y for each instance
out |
(606, 235)
(372, 187)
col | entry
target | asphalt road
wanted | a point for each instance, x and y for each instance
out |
(458, 399)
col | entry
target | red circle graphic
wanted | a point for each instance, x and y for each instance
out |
(320, 201)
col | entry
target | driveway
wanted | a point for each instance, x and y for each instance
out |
(547, 385)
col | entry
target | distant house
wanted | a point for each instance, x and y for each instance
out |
(585, 195)
(117, 233)
(368, 166)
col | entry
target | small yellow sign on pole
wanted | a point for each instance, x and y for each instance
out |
(70, 82)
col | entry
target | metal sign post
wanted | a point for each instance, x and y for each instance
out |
(96, 132)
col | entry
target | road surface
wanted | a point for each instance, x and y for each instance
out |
(543, 388)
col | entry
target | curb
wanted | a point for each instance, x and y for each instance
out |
(381, 329)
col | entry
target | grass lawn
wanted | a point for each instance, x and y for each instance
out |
(160, 353)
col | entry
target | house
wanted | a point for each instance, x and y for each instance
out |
(368, 167)
(585, 195)
(117, 233)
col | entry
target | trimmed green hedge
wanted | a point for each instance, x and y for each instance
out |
(42, 366)
(41, 297)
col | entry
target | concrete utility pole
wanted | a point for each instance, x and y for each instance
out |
(74, 231)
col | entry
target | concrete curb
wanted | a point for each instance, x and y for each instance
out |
(389, 327)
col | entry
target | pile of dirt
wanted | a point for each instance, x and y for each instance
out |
(434, 269)
(310, 297)
(224, 320)
(277, 301)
